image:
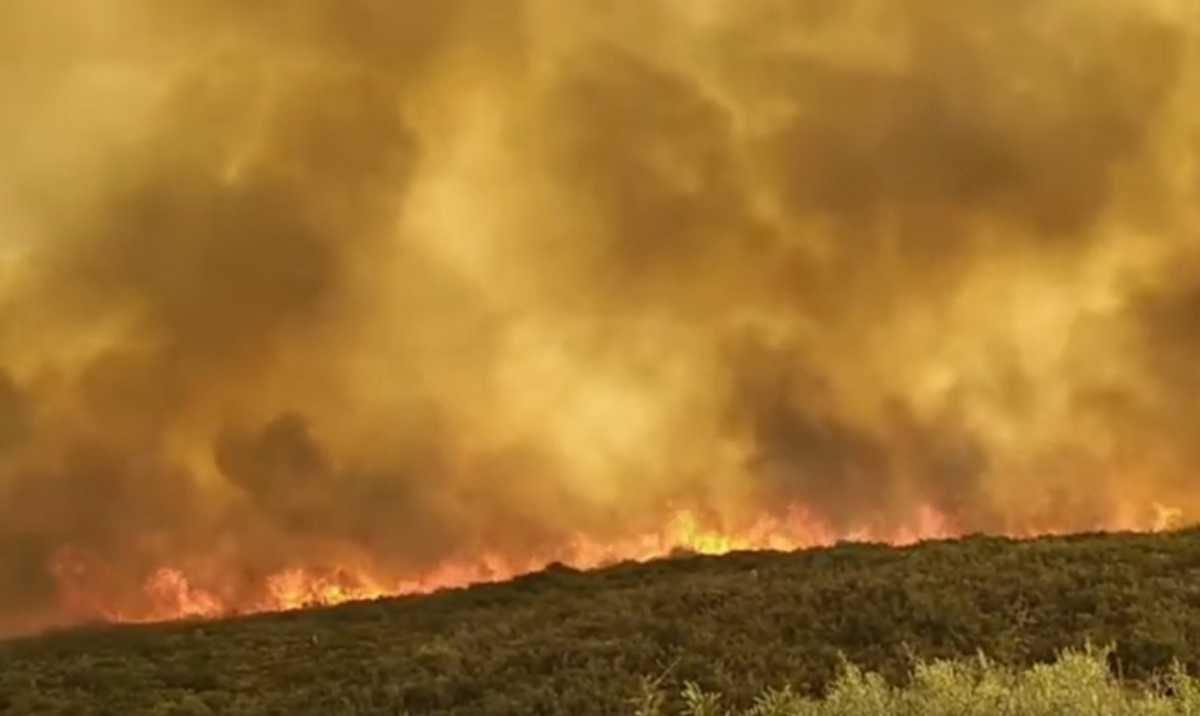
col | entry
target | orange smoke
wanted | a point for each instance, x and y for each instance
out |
(336, 299)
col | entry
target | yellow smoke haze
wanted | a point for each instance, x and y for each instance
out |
(388, 290)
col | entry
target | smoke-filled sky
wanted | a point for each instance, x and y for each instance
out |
(410, 283)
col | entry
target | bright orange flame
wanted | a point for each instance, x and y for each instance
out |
(169, 593)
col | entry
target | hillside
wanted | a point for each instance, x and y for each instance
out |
(568, 642)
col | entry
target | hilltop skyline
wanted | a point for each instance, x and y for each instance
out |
(393, 292)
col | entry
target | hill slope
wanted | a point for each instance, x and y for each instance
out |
(567, 642)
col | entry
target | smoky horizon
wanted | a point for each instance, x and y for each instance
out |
(354, 298)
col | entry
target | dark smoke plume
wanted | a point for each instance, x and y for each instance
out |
(384, 288)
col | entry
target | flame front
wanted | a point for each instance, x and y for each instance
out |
(322, 301)
(169, 594)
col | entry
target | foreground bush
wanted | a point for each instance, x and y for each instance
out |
(1079, 683)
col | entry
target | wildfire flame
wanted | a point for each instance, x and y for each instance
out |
(169, 593)
(306, 303)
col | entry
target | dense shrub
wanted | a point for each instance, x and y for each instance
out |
(1079, 683)
(579, 643)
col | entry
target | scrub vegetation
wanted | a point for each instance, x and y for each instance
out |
(690, 634)
(1079, 683)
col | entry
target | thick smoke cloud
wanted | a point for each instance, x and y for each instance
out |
(383, 289)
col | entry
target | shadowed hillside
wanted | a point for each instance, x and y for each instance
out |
(568, 642)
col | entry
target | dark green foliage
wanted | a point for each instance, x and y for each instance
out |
(566, 642)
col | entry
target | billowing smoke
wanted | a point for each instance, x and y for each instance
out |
(389, 287)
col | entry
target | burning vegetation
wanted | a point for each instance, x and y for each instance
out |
(307, 304)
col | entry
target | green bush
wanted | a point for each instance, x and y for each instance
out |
(743, 625)
(1079, 683)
